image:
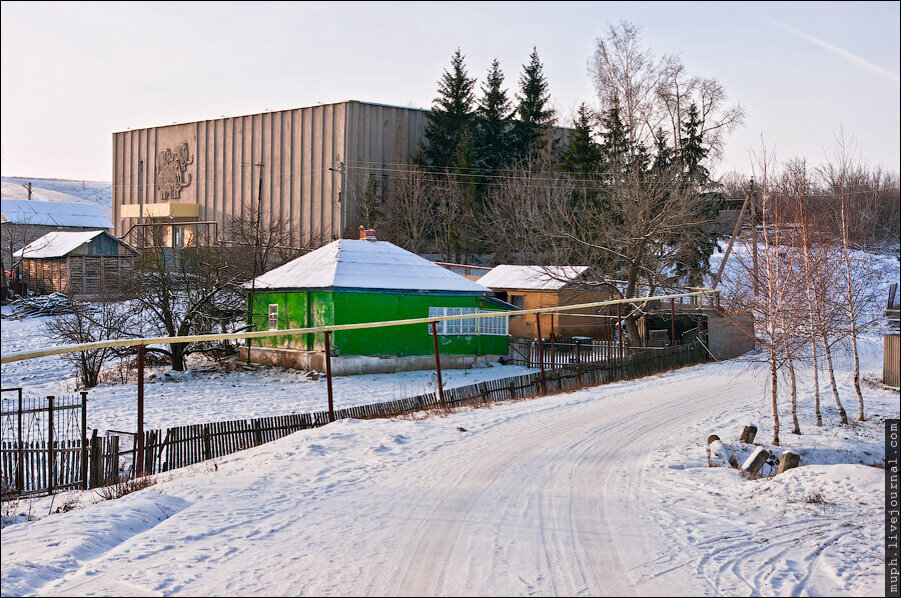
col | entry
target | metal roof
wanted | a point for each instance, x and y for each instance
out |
(53, 213)
(61, 243)
(536, 278)
(353, 264)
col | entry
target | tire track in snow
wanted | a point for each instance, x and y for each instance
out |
(577, 541)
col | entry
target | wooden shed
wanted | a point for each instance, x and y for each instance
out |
(84, 265)
(532, 287)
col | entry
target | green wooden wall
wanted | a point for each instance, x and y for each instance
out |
(303, 309)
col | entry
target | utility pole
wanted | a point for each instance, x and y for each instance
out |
(141, 198)
(753, 201)
(735, 231)
(257, 245)
(259, 232)
(29, 190)
(342, 170)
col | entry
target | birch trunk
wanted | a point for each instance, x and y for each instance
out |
(849, 298)
(816, 381)
(838, 403)
(774, 396)
(796, 426)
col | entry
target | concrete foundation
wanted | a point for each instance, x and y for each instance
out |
(348, 365)
(732, 336)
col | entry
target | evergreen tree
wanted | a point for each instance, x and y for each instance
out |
(466, 174)
(698, 244)
(616, 153)
(663, 154)
(451, 116)
(533, 113)
(693, 151)
(492, 135)
(582, 154)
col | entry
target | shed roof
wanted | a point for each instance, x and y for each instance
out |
(53, 213)
(354, 264)
(533, 278)
(61, 243)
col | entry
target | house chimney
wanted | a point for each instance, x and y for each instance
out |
(367, 234)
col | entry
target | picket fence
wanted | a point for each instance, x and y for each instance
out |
(175, 447)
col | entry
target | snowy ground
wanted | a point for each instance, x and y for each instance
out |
(196, 397)
(98, 192)
(602, 491)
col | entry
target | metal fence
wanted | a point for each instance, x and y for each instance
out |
(45, 448)
(567, 352)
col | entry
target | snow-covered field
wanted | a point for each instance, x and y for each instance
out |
(97, 192)
(600, 491)
(200, 396)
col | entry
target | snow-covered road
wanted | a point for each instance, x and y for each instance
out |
(541, 497)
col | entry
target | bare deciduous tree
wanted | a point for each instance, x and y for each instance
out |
(88, 323)
(408, 212)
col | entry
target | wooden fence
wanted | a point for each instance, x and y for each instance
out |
(180, 446)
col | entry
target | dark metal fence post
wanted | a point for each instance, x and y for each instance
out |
(20, 462)
(553, 347)
(619, 327)
(541, 353)
(438, 365)
(672, 321)
(50, 468)
(328, 376)
(139, 441)
(84, 440)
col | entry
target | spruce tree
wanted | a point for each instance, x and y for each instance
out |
(492, 135)
(533, 113)
(663, 154)
(615, 147)
(451, 116)
(582, 154)
(697, 245)
(693, 151)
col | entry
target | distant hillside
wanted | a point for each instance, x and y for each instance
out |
(98, 192)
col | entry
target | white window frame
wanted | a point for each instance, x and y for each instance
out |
(273, 316)
(497, 326)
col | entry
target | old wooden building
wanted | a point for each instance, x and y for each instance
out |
(532, 287)
(84, 265)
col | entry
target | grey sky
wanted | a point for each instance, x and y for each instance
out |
(74, 73)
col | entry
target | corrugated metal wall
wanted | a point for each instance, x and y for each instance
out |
(297, 148)
(891, 360)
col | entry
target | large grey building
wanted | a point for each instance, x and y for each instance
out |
(189, 175)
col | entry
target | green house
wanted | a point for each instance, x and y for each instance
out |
(353, 281)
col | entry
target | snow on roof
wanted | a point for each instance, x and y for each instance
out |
(354, 264)
(60, 243)
(536, 278)
(53, 213)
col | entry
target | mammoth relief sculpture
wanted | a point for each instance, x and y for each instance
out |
(171, 171)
